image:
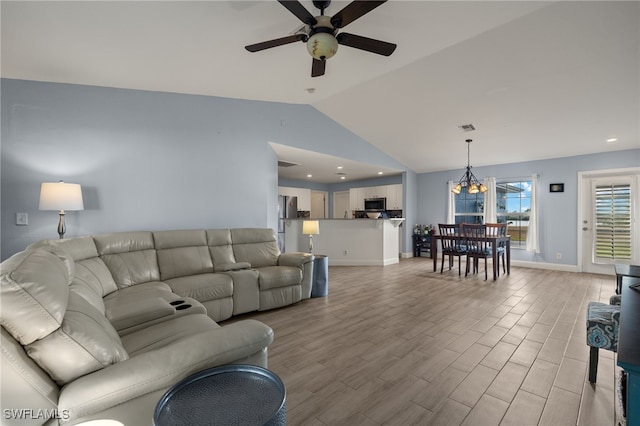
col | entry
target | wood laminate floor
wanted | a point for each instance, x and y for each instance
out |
(402, 345)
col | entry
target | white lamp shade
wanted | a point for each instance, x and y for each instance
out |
(61, 196)
(311, 227)
(322, 46)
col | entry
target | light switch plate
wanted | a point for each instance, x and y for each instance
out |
(22, 219)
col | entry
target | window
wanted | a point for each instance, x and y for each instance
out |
(469, 207)
(613, 222)
(514, 208)
(513, 197)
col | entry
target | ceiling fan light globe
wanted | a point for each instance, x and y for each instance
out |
(322, 46)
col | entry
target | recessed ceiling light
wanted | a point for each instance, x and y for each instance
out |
(343, 177)
(309, 176)
(310, 90)
(340, 167)
(612, 140)
(380, 173)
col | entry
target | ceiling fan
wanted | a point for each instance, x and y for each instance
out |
(321, 32)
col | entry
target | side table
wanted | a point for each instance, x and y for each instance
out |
(228, 395)
(320, 282)
(625, 271)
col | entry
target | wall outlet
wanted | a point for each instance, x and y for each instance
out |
(558, 256)
(22, 219)
(344, 253)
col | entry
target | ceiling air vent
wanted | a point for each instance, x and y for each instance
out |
(286, 164)
(467, 127)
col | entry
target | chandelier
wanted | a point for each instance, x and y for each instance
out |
(468, 179)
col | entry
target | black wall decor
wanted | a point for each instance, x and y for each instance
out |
(556, 187)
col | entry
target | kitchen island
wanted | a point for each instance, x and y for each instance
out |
(349, 242)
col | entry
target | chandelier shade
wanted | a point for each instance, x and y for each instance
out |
(468, 179)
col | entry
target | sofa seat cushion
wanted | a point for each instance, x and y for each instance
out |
(85, 342)
(138, 292)
(203, 287)
(166, 333)
(279, 276)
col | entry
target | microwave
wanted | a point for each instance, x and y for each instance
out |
(375, 204)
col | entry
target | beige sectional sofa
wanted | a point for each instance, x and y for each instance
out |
(99, 327)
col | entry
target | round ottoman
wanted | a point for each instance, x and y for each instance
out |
(227, 395)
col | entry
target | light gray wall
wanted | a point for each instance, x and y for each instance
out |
(151, 160)
(558, 211)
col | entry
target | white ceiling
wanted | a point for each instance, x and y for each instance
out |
(537, 79)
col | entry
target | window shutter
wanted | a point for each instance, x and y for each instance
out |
(613, 222)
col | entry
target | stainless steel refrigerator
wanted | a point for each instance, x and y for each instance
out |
(287, 209)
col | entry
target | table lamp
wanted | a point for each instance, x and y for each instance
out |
(61, 196)
(311, 228)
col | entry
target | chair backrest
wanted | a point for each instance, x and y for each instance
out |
(496, 229)
(475, 237)
(450, 238)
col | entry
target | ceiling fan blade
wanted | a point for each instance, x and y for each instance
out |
(317, 67)
(300, 11)
(353, 11)
(365, 43)
(276, 42)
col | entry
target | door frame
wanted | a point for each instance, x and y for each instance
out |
(584, 184)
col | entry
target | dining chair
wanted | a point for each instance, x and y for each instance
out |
(499, 230)
(451, 245)
(477, 246)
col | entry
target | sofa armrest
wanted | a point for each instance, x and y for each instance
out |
(139, 312)
(294, 259)
(160, 369)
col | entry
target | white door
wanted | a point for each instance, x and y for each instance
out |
(341, 207)
(318, 205)
(608, 228)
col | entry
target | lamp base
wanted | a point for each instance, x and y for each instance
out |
(62, 228)
(310, 243)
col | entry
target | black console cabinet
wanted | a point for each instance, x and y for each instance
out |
(422, 244)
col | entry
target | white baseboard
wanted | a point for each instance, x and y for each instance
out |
(528, 264)
(545, 265)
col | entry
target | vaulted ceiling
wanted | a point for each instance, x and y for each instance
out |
(537, 79)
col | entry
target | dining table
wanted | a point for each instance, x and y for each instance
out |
(495, 241)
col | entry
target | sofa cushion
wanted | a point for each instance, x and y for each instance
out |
(257, 246)
(220, 247)
(91, 276)
(94, 275)
(279, 276)
(85, 342)
(203, 287)
(34, 292)
(139, 292)
(182, 253)
(166, 333)
(130, 257)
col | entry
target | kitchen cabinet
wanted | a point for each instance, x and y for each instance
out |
(303, 194)
(356, 199)
(394, 197)
(393, 194)
(374, 191)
